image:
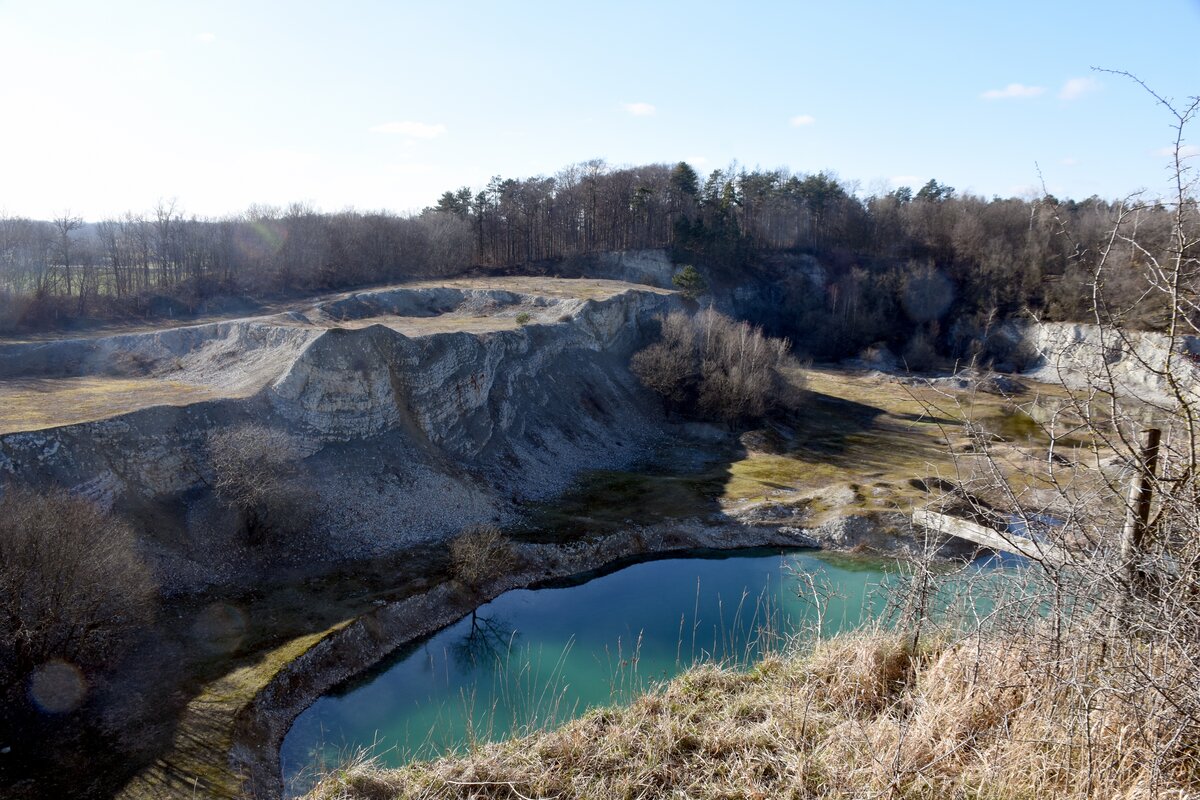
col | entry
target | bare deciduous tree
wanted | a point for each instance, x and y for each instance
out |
(256, 470)
(478, 555)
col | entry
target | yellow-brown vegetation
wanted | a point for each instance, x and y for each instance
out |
(861, 716)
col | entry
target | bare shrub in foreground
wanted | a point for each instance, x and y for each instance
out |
(1112, 634)
(72, 583)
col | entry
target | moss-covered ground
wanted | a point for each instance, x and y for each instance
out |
(855, 446)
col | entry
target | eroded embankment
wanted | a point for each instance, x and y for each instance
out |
(417, 410)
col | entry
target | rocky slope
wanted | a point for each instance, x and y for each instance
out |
(417, 410)
(1134, 363)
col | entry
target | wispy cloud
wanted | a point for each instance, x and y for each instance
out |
(1185, 151)
(1069, 161)
(640, 109)
(206, 37)
(802, 120)
(1077, 87)
(1013, 90)
(414, 130)
(905, 180)
(698, 161)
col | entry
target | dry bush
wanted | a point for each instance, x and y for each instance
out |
(920, 354)
(72, 583)
(717, 367)
(481, 554)
(670, 366)
(256, 470)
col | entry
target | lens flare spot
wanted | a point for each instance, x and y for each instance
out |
(220, 627)
(57, 687)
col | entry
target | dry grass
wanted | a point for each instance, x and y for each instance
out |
(870, 435)
(581, 288)
(30, 404)
(862, 716)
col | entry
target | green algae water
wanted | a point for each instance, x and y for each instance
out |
(535, 658)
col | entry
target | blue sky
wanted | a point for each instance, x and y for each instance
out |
(111, 106)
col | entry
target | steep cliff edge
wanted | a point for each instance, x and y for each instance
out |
(418, 410)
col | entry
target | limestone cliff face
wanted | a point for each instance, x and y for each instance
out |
(1134, 362)
(419, 411)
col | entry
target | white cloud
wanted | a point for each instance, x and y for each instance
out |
(640, 109)
(206, 37)
(696, 161)
(1070, 161)
(906, 180)
(1185, 150)
(1077, 87)
(802, 120)
(1013, 90)
(415, 130)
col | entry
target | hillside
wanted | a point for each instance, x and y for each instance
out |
(412, 411)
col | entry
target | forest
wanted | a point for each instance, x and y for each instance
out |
(976, 260)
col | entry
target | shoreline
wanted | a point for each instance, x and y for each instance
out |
(265, 722)
(249, 766)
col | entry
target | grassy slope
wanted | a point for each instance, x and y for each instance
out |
(860, 717)
(197, 762)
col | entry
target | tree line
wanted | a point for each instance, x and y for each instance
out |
(1000, 256)
(52, 272)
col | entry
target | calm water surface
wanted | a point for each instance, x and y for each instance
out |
(537, 657)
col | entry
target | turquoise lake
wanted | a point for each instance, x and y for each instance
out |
(537, 657)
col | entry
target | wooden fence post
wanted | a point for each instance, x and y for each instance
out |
(1137, 512)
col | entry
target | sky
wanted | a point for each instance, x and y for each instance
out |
(111, 107)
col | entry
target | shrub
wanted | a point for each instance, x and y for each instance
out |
(523, 317)
(717, 367)
(256, 471)
(72, 583)
(919, 353)
(480, 554)
(670, 366)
